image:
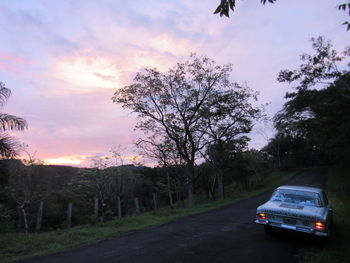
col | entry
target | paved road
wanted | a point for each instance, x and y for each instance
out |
(224, 235)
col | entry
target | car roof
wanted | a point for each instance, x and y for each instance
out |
(301, 188)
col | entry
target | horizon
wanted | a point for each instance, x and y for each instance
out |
(64, 61)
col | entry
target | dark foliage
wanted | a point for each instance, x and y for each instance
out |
(314, 124)
(9, 147)
(226, 5)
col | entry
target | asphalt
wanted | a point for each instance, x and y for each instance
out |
(228, 234)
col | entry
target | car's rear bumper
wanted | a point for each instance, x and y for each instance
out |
(312, 231)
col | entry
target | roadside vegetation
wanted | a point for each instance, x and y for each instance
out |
(337, 248)
(15, 246)
(196, 123)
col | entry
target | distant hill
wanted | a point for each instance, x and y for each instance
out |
(61, 172)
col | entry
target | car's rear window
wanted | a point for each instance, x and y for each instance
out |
(298, 197)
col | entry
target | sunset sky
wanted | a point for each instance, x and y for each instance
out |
(63, 60)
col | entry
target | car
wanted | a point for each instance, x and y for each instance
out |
(299, 208)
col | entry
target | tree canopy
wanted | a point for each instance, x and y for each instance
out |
(315, 121)
(194, 105)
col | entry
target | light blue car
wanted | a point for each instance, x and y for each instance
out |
(299, 208)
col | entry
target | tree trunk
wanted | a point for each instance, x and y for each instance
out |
(25, 219)
(155, 201)
(69, 215)
(179, 194)
(39, 217)
(220, 176)
(169, 190)
(137, 206)
(190, 185)
(212, 194)
(103, 210)
(119, 207)
(96, 209)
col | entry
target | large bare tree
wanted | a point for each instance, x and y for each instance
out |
(175, 104)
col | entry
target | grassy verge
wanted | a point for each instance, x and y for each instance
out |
(337, 249)
(15, 246)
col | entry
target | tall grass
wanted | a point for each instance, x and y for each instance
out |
(14, 246)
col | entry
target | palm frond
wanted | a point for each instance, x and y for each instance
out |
(5, 93)
(9, 147)
(10, 123)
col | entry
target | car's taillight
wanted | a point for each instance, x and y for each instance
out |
(319, 225)
(262, 215)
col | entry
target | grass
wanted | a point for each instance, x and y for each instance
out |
(337, 249)
(15, 246)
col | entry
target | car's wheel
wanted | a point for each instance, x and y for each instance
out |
(269, 230)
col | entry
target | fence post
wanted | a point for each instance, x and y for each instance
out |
(137, 207)
(39, 217)
(96, 209)
(69, 215)
(119, 207)
(169, 191)
(155, 201)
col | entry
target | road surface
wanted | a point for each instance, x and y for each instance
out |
(224, 235)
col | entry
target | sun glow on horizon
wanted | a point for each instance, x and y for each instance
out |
(67, 160)
(88, 160)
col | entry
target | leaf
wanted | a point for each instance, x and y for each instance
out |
(218, 9)
(343, 6)
(270, 1)
(348, 25)
(232, 4)
(224, 7)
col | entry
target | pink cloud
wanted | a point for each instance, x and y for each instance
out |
(14, 64)
(84, 52)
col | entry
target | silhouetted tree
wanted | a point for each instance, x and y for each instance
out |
(228, 118)
(162, 149)
(99, 182)
(174, 104)
(25, 187)
(316, 116)
(9, 147)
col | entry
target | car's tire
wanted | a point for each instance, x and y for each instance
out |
(269, 230)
